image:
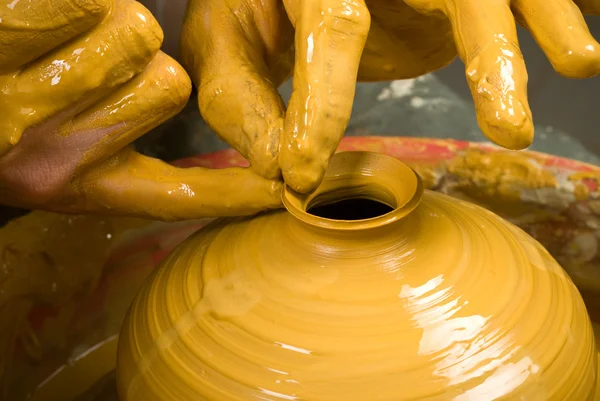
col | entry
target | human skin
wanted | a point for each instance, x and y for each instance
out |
(80, 80)
(239, 51)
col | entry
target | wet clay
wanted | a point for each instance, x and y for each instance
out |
(63, 72)
(332, 43)
(438, 299)
(501, 175)
(79, 82)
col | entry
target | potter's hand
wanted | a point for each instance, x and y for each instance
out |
(238, 52)
(79, 81)
(486, 39)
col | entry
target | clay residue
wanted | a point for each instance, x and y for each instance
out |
(513, 182)
(501, 174)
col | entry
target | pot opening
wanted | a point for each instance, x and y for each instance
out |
(350, 209)
(360, 190)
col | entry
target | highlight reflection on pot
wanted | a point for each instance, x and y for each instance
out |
(421, 297)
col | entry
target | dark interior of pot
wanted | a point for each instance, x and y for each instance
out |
(350, 209)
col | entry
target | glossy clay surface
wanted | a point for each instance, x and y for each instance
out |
(435, 300)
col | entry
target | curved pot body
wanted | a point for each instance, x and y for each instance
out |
(432, 298)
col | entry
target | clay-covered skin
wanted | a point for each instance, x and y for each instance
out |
(239, 51)
(79, 82)
(435, 300)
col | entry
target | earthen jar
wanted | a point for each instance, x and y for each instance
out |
(368, 289)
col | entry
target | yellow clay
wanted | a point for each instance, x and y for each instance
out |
(501, 174)
(79, 73)
(438, 299)
(31, 277)
(30, 30)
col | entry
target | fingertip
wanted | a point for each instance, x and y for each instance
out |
(303, 162)
(579, 61)
(175, 79)
(504, 117)
(253, 193)
(513, 137)
(145, 24)
(303, 179)
(134, 27)
(275, 191)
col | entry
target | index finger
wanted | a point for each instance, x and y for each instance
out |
(330, 38)
(486, 38)
(28, 31)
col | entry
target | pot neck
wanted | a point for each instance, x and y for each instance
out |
(361, 192)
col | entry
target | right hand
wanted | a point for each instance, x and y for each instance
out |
(239, 51)
(80, 80)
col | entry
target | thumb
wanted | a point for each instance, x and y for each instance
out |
(131, 184)
(330, 37)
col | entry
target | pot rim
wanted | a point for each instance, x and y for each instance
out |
(359, 174)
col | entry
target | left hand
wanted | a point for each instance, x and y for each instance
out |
(80, 80)
(238, 52)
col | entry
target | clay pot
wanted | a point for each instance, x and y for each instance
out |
(368, 289)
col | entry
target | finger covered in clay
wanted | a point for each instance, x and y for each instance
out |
(42, 171)
(158, 93)
(560, 30)
(237, 56)
(329, 41)
(109, 86)
(79, 73)
(486, 39)
(30, 30)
